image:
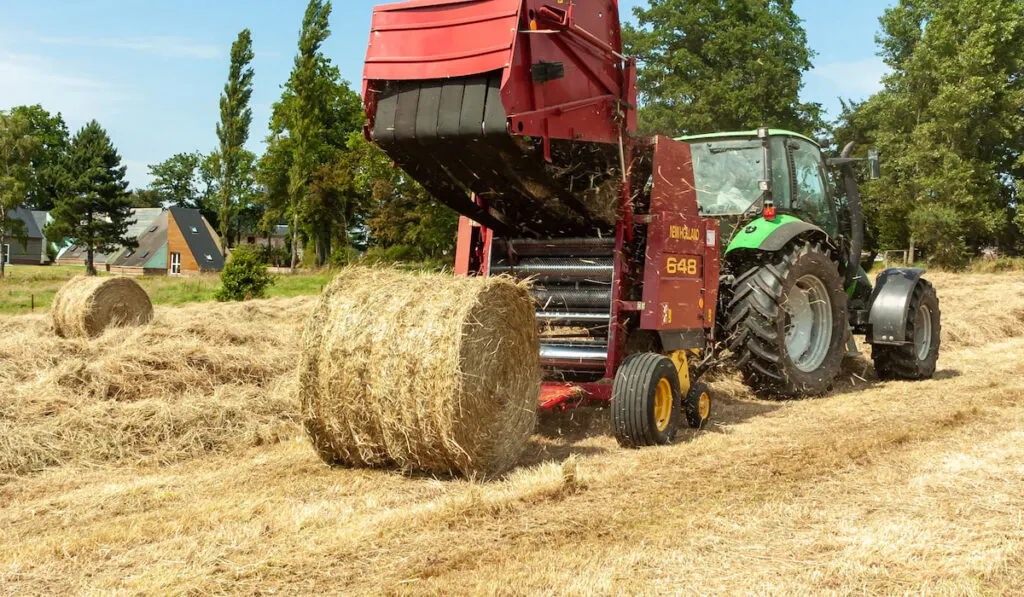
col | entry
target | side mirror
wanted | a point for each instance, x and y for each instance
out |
(875, 164)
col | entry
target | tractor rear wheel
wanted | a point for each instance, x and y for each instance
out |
(646, 402)
(787, 322)
(917, 358)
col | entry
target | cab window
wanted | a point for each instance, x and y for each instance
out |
(810, 197)
(781, 194)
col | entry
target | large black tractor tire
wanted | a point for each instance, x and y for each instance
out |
(918, 358)
(787, 322)
(646, 401)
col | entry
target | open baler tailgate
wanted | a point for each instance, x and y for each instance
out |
(521, 103)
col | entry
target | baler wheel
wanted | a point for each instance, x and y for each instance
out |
(916, 359)
(646, 401)
(698, 405)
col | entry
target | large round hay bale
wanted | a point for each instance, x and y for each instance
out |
(426, 373)
(87, 305)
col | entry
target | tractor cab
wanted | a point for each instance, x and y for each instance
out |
(730, 175)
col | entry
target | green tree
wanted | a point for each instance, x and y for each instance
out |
(52, 135)
(146, 198)
(17, 146)
(403, 219)
(187, 180)
(948, 124)
(234, 168)
(272, 175)
(305, 107)
(245, 276)
(714, 65)
(95, 209)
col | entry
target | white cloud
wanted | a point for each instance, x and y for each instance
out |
(28, 79)
(166, 46)
(855, 79)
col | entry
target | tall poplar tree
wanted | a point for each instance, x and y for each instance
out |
(716, 65)
(306, 108)
(95, 208)
(232, 166)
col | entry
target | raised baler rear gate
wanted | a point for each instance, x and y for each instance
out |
(520, 114)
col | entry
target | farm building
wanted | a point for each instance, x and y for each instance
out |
(275, 239)
(177, 241)
(30, 250)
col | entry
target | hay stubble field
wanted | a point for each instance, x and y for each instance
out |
(170, 460)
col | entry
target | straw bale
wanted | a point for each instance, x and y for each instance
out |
(425, 373)
(87, 305)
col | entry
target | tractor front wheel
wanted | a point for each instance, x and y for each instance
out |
(646, 402)
(917, 358)
(787, 322)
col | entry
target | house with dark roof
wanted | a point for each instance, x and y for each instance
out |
(30, 250)
(177, 242)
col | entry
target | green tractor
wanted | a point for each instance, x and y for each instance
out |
(794, 291)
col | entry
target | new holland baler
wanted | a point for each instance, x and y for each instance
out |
(521, 116)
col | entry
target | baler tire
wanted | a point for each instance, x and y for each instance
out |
(904, 362)
(635, 401)
(697, 405)
(757, 317)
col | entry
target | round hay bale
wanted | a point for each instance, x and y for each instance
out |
(87, 305)
(424, 373)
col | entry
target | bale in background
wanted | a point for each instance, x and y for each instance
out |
(85, 306)
(421, 372)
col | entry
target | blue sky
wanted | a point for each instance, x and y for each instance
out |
(151, 72)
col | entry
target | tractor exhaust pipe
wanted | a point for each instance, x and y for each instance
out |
(856, 215)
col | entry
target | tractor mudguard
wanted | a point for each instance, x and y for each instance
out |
(763, 235)
(888, 312)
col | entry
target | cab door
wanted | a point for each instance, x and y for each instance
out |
(810, 199)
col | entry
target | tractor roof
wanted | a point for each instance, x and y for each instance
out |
(746, 134)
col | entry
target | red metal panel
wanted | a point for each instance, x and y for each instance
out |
(464, 247)
(711, 270)
(584, 104)
(438, 39)
(673, 188)
(677, 273)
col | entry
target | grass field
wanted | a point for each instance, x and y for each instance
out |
(23, 283)
(169, 460)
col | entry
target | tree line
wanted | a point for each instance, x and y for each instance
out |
(337, 193)
(949, 124)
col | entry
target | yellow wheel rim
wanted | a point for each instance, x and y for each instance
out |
(704, 406)
(663, 405)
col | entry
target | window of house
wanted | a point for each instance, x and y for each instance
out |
(195, 230)
(175, 263)
(5, 253)
(145, 254)
(153, 229)
(209, 257)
